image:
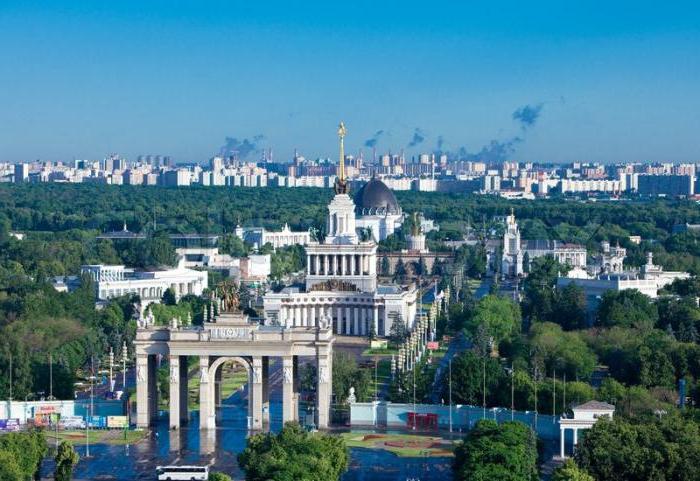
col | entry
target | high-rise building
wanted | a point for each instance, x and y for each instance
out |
(21, 173)
(672, 185)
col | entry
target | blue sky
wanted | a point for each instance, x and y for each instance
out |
(612, 80)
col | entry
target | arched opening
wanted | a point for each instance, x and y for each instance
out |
(231, 377)
(229, 385)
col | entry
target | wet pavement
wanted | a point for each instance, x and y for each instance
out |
(219, 449)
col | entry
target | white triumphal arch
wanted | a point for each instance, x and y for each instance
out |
(229, 336)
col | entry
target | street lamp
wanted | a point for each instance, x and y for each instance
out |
(449, 365)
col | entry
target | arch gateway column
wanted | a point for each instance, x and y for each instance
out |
(231, 338)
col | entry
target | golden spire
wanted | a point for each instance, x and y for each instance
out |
(341, 186)
(341, 136)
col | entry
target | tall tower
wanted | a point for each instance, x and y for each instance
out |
(512, 259)
(342, 257)
(341, 185)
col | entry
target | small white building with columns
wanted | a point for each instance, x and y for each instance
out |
(341, 284)
(114, 281)
(585, 416)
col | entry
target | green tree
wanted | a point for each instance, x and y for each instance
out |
(627, 308)
(27, 449)
(570, 472)
(66, 459)
(645, 448)
(169, 298)
(610, 391)
(506, 452)
(468, 379)
(398, 332)
(232, 245)
(400, 270)
(570, 308)
(218, 476)
(539, 288)
(385, 267)
(294, 454)
(563, 352)
(347, 374)
(9, 469)
(498, 315)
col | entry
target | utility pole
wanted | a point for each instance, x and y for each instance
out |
(10, 376)
(512, 392)
(483, 369)
(414, 397)
(111, 369)
(535, 399)
(124, 354)
(563, 408)
(449, 365)
(554, 394)
(50, 377)
(376, 385)
(92, 396)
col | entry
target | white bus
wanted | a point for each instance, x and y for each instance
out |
(186, 473)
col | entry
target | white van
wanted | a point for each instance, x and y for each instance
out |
(71, 422)
(186, 473)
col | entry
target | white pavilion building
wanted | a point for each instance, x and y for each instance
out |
(341, 281)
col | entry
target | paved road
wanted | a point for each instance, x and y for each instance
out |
(458, 344)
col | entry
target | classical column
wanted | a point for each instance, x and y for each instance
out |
(206, 414)
(312, 316)
(175, 392)
(296, 386)
(143, 417)
(288, 413)
(325, 264)
(356, 321)
(323, 390)
(363, 322)
(152, 389)
(184, 414)
(281, 317)
(375, 319)
(256, 394)
(266, 389)
(347, 320)
(562, 435)
(304, 315)
(341, 258)
(575, 437)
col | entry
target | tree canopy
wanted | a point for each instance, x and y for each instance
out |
(294, 454)
(507, 452)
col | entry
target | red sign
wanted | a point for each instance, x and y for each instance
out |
(433, 346)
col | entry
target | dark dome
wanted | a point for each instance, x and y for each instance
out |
(375, 198)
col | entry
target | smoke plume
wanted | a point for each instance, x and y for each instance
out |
(242, 147)
(418, 138)
(372, 141)
(527, 115)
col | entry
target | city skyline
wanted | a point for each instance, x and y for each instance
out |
(610, 83)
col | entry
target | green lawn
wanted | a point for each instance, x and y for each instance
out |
(403, 445)
(380, 352)
(98, 436)
(231, 380)
(383, 376)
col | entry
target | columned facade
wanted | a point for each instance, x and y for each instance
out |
(230, 338)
